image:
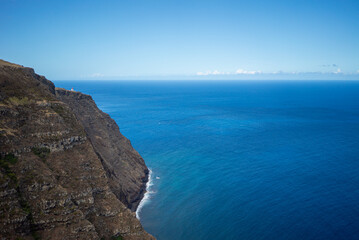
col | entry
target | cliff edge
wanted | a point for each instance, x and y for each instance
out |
(66, 171)
(125, 168)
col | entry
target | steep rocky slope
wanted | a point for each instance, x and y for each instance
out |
(126, 169)
(66, 172)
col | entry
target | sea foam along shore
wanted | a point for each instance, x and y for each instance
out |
(146, 197)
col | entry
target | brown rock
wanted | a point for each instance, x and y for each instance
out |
(66, 172)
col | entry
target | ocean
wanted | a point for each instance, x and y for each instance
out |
(242, 159)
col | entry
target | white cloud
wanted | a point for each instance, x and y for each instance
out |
(241, 71)
(215, 72)
(253, 72)
(338, 71)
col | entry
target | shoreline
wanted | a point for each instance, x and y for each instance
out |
(146, 196)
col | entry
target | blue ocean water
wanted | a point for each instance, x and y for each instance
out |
(242, 159)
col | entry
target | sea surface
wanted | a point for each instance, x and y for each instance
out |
(242, 159)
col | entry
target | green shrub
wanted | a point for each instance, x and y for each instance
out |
(4, 165)
(12, 176)
(42, 152)
(35, 235)
(10, 158)
(117, 238)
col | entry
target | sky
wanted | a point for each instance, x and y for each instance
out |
(188, 39)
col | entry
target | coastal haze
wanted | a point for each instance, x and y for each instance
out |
(242, 160)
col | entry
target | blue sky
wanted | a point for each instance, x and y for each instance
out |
(157, 39)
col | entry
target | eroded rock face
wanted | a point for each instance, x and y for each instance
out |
(66, 172)
(125, 168)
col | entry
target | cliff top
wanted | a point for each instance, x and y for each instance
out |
(9, 64)
(63, 91)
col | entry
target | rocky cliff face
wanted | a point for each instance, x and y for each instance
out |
(125, 168)
(66, 172)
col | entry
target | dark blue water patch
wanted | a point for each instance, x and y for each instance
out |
(245, 159)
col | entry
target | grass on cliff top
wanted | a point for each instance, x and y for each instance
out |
(6, 63)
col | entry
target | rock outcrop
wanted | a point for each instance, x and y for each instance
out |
(66, 172)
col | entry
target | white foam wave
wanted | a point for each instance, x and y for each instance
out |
(146, 197)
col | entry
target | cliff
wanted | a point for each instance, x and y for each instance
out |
(125, 168)
(66, 171)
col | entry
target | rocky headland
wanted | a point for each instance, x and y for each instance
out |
(66, 171)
